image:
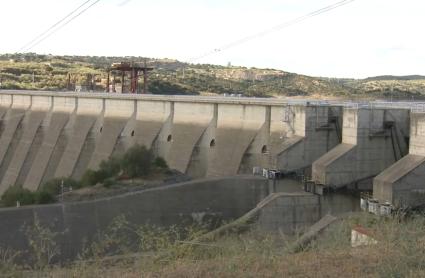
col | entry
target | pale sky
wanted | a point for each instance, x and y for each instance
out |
(363, 38)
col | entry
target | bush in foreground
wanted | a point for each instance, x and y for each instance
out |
(24, 196)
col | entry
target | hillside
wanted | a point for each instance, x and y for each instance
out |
(48, 72)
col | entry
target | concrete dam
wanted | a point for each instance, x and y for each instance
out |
(47, 135)
(59, 134)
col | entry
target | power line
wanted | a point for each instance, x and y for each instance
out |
(46, 34)
(53, 26)
(272, 29)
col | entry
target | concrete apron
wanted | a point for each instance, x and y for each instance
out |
(77, 223)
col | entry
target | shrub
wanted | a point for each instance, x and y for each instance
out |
(53, 186)
(17, 193)
(26, 197)
(44, 197)
(137, 161)
(43, 246)
(160, 163)
(90, 178)
(109, 168)
(109, 182)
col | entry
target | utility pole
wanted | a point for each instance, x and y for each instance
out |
(122, 82)
(113, 82)
(68, 84)
(145, 78)
(107, 81)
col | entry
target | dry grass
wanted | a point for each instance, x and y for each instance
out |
(400, 252)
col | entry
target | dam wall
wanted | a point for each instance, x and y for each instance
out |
(44, 135)
(372, 140)
(48, 135)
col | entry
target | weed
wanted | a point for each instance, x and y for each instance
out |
(43, 247)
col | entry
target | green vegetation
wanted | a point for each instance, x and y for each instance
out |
(17, 194)
(48, 72)
(136, 162)
(127, 250)
(53, 186)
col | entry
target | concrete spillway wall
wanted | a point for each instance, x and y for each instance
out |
(402, 184)
(313, 131)
(372, 140)
(46, 135)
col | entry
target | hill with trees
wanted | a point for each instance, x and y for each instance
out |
(31, 71)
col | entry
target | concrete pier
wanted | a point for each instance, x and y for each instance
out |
(42, 158)
(88, 111)
(189, 123)
(30, 126)
(151, 116)
(312, 131)
(372, 140)
(117, 114)
(237, 126)
(402, 184)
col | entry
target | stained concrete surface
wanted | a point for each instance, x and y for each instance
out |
(184, 139)
(111, 130)
(177, 204)
(30, 128)
(226, 155)
(81, 128)
(314, 132)
(12, 119)
(402, 184)
(372, 140)
(42, 158)
(290, 212)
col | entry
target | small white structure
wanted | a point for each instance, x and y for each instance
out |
(385, 209)
(266, 173)
(373, 206)
(257, 171)
(363, 204)
(361, 237)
